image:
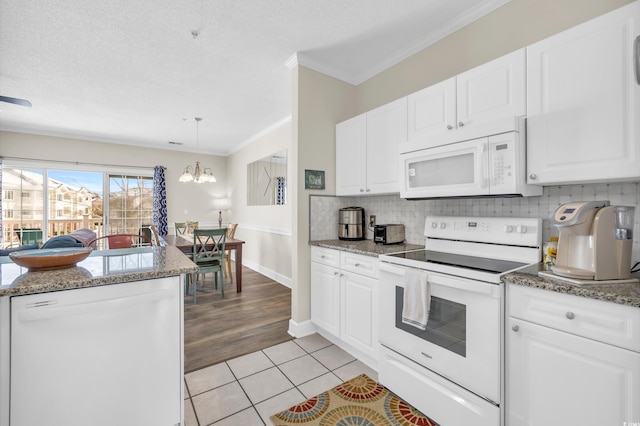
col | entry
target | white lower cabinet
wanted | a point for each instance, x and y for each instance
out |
(344, 299)
(571, 360)
(358, 299)
(325, 297)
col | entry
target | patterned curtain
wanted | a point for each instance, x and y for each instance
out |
(281, 190)
(160, 201)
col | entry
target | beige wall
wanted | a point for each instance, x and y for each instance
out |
(266, 229)
(320, 102)
(196, 198)
(515, 25)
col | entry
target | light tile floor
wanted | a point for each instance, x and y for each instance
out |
(247, 390)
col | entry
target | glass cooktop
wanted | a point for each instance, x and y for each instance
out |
(494, 266)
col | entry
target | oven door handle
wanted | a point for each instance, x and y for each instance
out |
(463, 284)
(395, 270)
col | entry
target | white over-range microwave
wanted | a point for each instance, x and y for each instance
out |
(488, 159)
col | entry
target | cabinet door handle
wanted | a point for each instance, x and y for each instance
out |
(460, 124)
(515, 328)
(449, 127)
(323, 257)
(570, 315)
(533, 176)
(356, 264)
(361, 190)
(636, 59)
(336, 273)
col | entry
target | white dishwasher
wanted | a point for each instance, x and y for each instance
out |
(98, 356)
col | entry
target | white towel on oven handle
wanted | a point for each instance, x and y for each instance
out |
(417, 298)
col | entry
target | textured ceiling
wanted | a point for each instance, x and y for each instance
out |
(131, 72)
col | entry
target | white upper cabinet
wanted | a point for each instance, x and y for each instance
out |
(489, 92)
(583, 99)
(386, 129)
(432, 111)
(367, 150)
(351, 151)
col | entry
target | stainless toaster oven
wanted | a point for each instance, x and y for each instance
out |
(388, 234)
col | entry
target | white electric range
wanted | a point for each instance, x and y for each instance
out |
(453, 369)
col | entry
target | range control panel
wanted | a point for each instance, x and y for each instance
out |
(497, 230)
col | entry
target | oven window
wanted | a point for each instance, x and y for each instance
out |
(447, 325)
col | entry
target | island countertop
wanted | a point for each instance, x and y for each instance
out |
(100, 268)
(621, 293)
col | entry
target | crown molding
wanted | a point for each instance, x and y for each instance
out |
(460, 21)
(262, 133)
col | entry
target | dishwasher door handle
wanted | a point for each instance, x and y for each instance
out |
(52, 310)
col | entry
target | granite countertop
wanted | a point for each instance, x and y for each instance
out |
(100, 268)
(624, 294)
(365, 247)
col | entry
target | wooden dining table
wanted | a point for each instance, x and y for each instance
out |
(185, 245)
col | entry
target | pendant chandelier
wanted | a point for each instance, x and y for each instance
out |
(196, 174)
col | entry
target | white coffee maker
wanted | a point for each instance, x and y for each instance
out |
(595, 240)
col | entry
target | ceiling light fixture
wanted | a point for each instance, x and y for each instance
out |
(195, 174)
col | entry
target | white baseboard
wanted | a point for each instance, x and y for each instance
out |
(285, 281)
(302, 329)
(365, 358)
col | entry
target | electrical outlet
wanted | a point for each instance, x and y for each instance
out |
(372, 220)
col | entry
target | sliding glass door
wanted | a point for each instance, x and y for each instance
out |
(130, 203)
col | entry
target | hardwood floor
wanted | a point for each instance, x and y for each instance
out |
(217, 329)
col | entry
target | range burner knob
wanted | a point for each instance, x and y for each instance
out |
(508, 228)
(521, 229)
(434, 225)
(443, 225)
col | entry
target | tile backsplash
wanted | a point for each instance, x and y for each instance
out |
(393, 209)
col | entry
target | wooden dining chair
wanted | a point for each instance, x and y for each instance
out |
(151, 232)
(231, 233)
(116, 241)
(208, 255)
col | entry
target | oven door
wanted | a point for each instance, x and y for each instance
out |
(463, 338)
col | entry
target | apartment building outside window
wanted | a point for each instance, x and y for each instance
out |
(49, 202)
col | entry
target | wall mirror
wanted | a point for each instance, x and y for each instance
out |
(267, 180)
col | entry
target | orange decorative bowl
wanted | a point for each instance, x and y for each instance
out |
(49, 259)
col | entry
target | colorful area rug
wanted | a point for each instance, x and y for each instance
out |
(360, 401)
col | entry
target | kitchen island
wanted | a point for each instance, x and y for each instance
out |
(100, 343)
(102, 267)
